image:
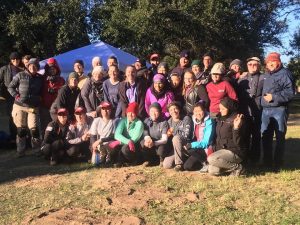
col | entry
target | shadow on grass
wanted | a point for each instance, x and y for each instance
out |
(13, 168)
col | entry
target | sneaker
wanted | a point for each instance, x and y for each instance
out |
(238, 171)
(178, 168)
(204, 169)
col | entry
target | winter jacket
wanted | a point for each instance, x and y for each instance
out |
(164, 101)
(140, 97)
(194, 95)
(92, 94)
(249, 92)
(55, 131)
(129, 131)
(217, 91)
(111, 94)
(26, 89)
(156, 130)
(229, 138)
(208, 133)
(76, 131)
(6, 76)
(51, 85)
(66, 98)
(280, 84)
(183, 128)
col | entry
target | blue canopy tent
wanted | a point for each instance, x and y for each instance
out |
(86, 53)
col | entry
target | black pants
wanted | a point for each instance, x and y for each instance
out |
(122, 153)
(195, 160)
(12, 126)
(56, 150)
(253, 139)
(82, 148)
(149, 154)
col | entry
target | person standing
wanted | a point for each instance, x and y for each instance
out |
(26, 88)
(277, 93)
(79, 69)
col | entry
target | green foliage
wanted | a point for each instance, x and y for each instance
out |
(228, 28)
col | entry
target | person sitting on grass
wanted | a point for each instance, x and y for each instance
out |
(229, 147)
(200, 147)
(78, 135)
(102, 131)
(155, 136)
(129, 131)
(54, 145)
(180, 133)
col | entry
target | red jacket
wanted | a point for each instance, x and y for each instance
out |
(50, 90)
(217, 91)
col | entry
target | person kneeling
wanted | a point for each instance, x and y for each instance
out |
(229, 148)
(155, 136)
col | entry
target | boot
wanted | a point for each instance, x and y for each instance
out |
(35, 144)
(21, 145)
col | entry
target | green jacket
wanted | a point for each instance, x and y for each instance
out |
(126, 132)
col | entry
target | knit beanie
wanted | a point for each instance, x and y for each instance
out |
(155, 105)
(196, 62)
(73, 75)
(132, 107)
(159, 78)
(14, 55)
(35, 62)
(230, 104)
(236, 62)
(218, 68)
(273, 56)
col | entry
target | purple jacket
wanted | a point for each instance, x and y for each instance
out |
(164, 101)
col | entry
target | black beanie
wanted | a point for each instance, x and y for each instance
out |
(230, 104)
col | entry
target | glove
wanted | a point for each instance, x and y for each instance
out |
(114, 144)
(131, 146)
(17, 98)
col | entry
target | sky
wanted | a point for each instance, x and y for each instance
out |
(293, 25)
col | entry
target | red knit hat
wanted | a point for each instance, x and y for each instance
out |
(132, 107)
(273, 56)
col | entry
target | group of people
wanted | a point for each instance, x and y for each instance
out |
(196, 116)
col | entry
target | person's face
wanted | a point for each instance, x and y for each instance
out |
(175, 81)
(188, 79)
(154, 113)
(162, 70)
(174, 112)
(32, 69)
(78, 68)
(130, 74)
(223, 110)
(235, 68)
(207, 61)
(111, 62)
(253, 66)
(52, 71)
(196, 69)
(198, 113)
(273, 65)
(216, 77)
(96, 63)
(155, 61)
(80, 117)
(97, 76)
(137, 65)
(113, 72)
(105, 112)
(158, 86)
(183, 62)
(25, 62)
(131, 116)
(73, 82)
(62, 119)
(15, 62)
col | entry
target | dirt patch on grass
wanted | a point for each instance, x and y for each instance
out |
(80, 216)
(39, 182)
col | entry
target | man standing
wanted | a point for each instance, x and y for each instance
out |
(6, 75)
(26, 88)
(79, 69)
(277, 93)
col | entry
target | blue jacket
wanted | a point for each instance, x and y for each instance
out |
(208, 134)
(280, 84)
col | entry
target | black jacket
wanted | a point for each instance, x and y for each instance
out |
(195, 95)
(6, 76)
(55, 131)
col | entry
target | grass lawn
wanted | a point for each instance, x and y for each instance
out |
(31, 192)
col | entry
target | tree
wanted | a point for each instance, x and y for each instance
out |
(229, 28)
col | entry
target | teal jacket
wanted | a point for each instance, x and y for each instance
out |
(126, 132)
(208, 134)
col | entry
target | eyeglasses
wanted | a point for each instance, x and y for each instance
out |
(252, 64)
